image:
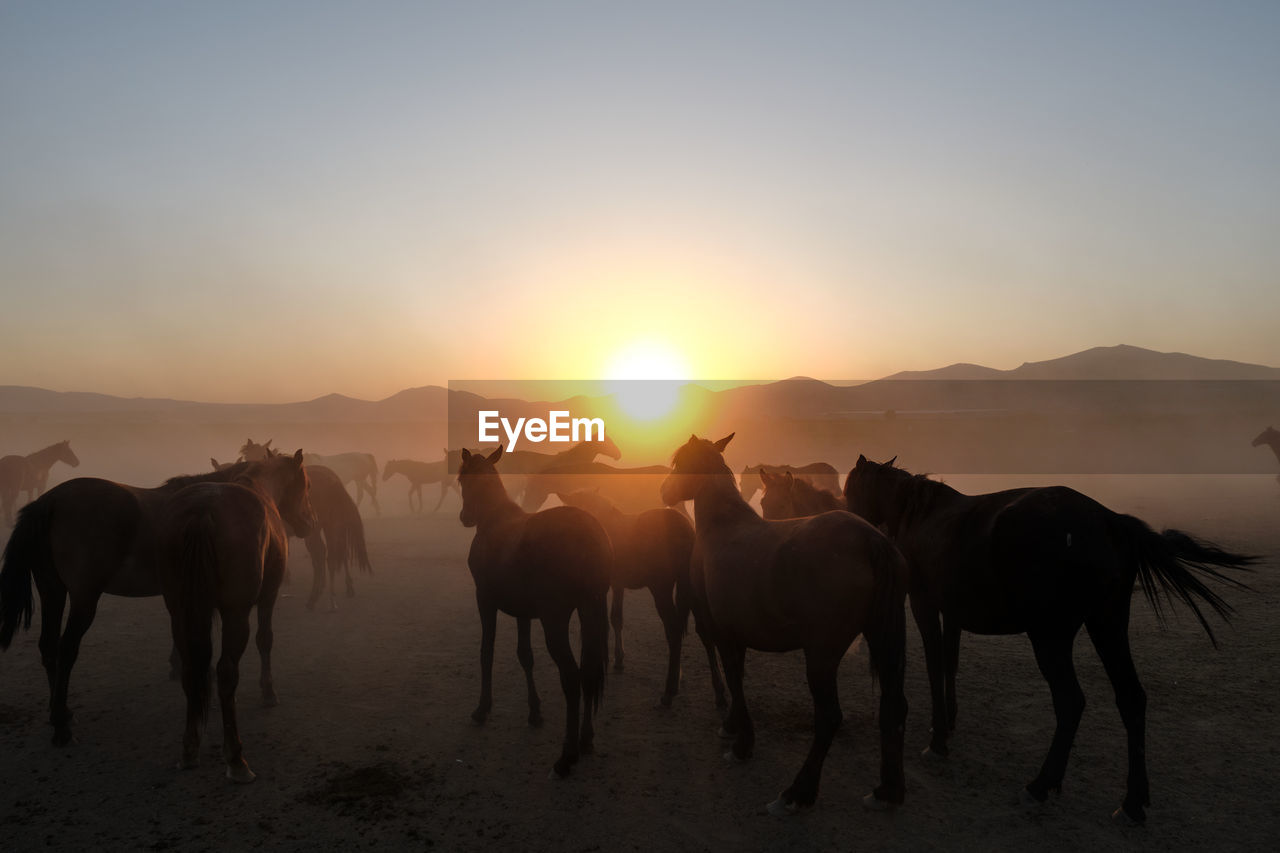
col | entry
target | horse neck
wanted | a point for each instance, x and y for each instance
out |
(719, 503)
(914, 498)
(1273, 441)
(44, 458)
(494, 504)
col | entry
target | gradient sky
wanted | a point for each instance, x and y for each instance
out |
(264, 201)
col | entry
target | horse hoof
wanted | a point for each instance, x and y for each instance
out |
(269, 699)
(559, 770)
(1026, 798)
(732, 757)
(932, 756)
(535, 720)
(724, 734)
(875, 804)
(666, 700)
(1123, 818)
(617, 666)
(478, 717)
(185, 763)
(779, 808)
(240, 773)
(62, 738)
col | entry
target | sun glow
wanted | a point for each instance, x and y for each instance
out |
(645, 378)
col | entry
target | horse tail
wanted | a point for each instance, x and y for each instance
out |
(354, 550)
(1169, 566)
(27, 553)
(373, 478)
(887, 626)
(680, 545)
(593, 616)
(193, 611)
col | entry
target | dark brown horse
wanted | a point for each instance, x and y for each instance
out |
(1271, 439)
(1040, 561)
(652, 550)
(541, 566)
(787, 496)
(805, 583)
(819, 474)
(222, 546)
(337, 539)
(86, 537)
(421, 474)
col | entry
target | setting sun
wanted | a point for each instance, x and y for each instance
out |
(645, 379)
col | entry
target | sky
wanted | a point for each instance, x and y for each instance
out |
(272, 201)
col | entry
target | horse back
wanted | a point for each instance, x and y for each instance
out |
(101, 537)
(651, 547)
(246, 533)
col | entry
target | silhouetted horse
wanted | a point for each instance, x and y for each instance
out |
(420, 474)
(542, 566)
(86, 537)
(652, 550)
(787, 496)
(1042, 561)
(218, 466)
(631, 489)
(1271, 439)
(14, 471)
(804, 583)
(337, 539)
(222, 546)
(41, 461)
(819, 474)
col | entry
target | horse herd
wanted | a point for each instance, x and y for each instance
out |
(821, 565)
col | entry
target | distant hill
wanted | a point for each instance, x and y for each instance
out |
(1121, 362)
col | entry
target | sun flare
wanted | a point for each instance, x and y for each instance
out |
(645, 378)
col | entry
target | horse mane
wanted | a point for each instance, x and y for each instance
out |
(821, 496)
(912, 495)
(224, 475)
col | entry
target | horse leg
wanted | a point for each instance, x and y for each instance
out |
(444, 490)
(79, 619)
(373, 493)
(738, 722)
(951, 657)
(193, 645)
(1053, 655)
(235, 637)
(674, 628)
(319, 555)
(927, 620)
(265, 639)
(615, 619)
(556, 632)
(702, 625)
(53, 601)
(524, 652)
(416, 488)
(488, 630)
(820, 671)
(893, 715)
(1110, 636)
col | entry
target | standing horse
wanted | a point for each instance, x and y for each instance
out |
(819, 474)
(787, 496)
(804, 583)
(544, 566)
(420, 474)
(86, 537)
(1271, 439)
(337, 539)
(39, 463)
(1040, 561)
(632, 489)
(223, 547)
(653, 550)
(358, 468)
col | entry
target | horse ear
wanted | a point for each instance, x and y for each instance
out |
(790, 479)
(765, 477)
(724, 442)
(466, 454)
(495, 456)
(297, 456)
(214, 463)
(861, 459)
(268, 444)
(891, 461)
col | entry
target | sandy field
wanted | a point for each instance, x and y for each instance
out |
(372, 746)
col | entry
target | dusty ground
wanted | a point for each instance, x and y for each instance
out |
(372, 745)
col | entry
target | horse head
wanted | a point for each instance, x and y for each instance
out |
(255, 452)
(693, 466)
(778, 500)
(1268, 436)
(66, 454)
(869, 486)
(477, 479)
(292, 491)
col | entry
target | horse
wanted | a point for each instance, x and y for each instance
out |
(652, 550)
(14, 471)
(420, 474)
(337, 539)
(787, 496)
(543, 566)
(1271, 438)
(86, 537)
(39, 463)
(631, 489)
(1039, 561)
(358, 468)
(819, 474)
(222, 546)
(218, 466)
(803, 583)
